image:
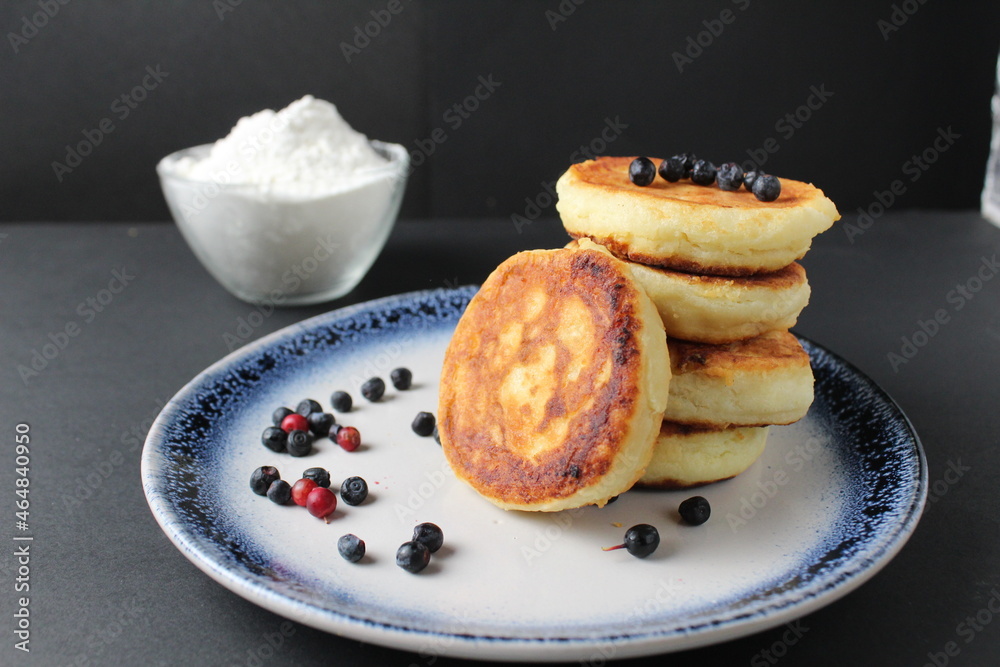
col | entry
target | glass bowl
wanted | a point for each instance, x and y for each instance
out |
(282, 244)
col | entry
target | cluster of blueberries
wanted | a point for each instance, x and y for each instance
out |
(293, 432)
(730, 176)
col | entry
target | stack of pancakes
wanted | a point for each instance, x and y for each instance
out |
(560, 388)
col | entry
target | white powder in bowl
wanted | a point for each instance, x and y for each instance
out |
(292, 207)
(305, 149)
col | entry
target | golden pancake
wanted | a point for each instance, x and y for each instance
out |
(688, 456)
(701, 229)
(755, 382)
(720, 309)
(554, 383)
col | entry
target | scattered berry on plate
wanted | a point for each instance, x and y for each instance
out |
(640, 540)
(413, 556)
(423, 424)
(348, 438)
(672, 169)
(320, 423)
(294, 422)
(274, 439)
(437, 435)
(319, 475)
(307, 406)
(373, 389)
(703, 173)
(341, 401)
(401, 378)
(300, 443)
(766, 187)
(279, 492)
(334, 430)
(321, 502)
(279, 414)
(695, 511)
(749, 178)
(261, 479)
(642, 171)
(354, 490)
(301, 490)
(730, 176)
(428, 534)
(351, 547)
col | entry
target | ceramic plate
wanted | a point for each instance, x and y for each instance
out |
(831, 501)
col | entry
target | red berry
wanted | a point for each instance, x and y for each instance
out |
(294, 422)
(301, 490)
(321, 502)
(349, 438)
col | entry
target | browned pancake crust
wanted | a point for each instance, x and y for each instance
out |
(608, 173)
(784, 278)
(489, 447)
(622, 251)
(768, 351)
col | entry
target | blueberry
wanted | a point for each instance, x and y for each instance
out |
(299, 443)
(703, 172)
(354, 490)
(274, 439)
(642, 171)
(642, 540)
(278, 415)
(695, 511)
(401, 378)
(334, 430)
(766, 187)
(749, 178)
(437, 435)
(341, 401)
(308, 406)
(320, 423)
(428, 534)
(688, 159)
(413, 556)
(279, 492)
(373, 389)
(261, 478)
(730, 176)
(351, 547)
(672, 169)
(319, 475)
(423, 424)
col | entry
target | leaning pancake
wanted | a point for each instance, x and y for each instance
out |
(702, 229)
(554, 382)
(686, 456)
(720, 309)
(755, 382)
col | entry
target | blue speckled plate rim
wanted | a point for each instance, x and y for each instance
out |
(830, 587)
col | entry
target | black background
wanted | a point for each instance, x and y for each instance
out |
(561, 76)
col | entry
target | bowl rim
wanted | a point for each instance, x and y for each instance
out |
(398, 160)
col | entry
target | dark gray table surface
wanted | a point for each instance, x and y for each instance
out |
(107, 586)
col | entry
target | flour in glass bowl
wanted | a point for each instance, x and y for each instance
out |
(306, 149)
(292, 206)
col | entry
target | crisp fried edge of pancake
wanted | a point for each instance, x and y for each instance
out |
(601, 432)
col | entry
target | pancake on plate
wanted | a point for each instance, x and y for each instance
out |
(554, 383)
(720, 309)
(687, 456)
(756, 382)
(689, 227)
